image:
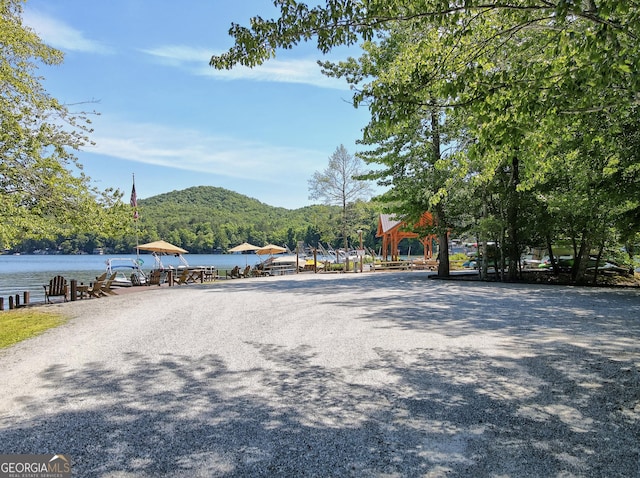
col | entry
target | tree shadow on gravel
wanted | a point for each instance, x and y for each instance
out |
(558, 400)
(409, 414)
(413, 301)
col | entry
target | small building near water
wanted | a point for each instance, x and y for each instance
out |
(392, 231)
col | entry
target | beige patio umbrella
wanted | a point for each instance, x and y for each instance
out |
(162, 247)
(270, 249)
(244, 247)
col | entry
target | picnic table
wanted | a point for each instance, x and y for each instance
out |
(280, 269)
(393, 265)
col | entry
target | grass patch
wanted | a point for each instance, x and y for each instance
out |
(21, 324)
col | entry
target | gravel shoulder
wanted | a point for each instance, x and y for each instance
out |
(384, 374)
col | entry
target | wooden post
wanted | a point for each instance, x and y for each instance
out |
(1, 303)
(26, 296)
(74, 289)
(11, 307)
(315, 261)
(17, 300)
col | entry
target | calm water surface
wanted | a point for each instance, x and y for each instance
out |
(29, 272)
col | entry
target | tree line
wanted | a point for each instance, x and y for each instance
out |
(514, 122)
(207, 219)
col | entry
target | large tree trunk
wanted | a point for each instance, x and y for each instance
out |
(554, 263)
(483, 263)
(595, 269)
(443, 243)
(581, 260)
(513, 206)
(443, 256)
(439, 216)
(500, 268)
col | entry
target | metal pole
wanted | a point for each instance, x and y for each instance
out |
(134, 204)
(361, 251)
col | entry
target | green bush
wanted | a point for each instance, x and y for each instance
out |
(458, 256)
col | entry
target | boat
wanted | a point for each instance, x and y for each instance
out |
(127, 270)
(160, 248)
(283, 264)
(331, 255)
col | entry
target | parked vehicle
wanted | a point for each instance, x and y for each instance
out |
(565, 263)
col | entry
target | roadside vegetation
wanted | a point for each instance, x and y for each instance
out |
(515, 123)
(42, 195)
(21, 324)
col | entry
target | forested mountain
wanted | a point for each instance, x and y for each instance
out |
(209, 219)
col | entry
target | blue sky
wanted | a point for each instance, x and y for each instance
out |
(175, 122)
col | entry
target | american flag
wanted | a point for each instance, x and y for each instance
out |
(134, 202)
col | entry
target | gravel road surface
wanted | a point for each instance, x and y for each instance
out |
(378, 374)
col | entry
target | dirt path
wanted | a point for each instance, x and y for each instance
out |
(363, 375)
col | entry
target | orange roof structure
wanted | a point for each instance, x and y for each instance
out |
(393, 231)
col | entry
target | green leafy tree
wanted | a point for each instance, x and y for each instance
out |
(340, 185)
(590, 186)
(40, 196)
(511, 72)
(411, 135)
(592, 44)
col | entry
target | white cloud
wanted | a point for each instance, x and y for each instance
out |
(193, 150)
(302, 71)
(179, 55)
(60, 35)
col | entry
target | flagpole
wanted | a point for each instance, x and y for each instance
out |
(134, 205)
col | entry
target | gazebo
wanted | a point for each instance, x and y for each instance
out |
(392, 231)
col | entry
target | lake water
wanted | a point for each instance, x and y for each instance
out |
(30, 272)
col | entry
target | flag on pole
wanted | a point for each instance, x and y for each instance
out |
(134, 202)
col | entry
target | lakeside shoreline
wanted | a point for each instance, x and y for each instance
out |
(457, 275)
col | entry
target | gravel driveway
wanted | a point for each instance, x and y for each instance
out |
(385, 374)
